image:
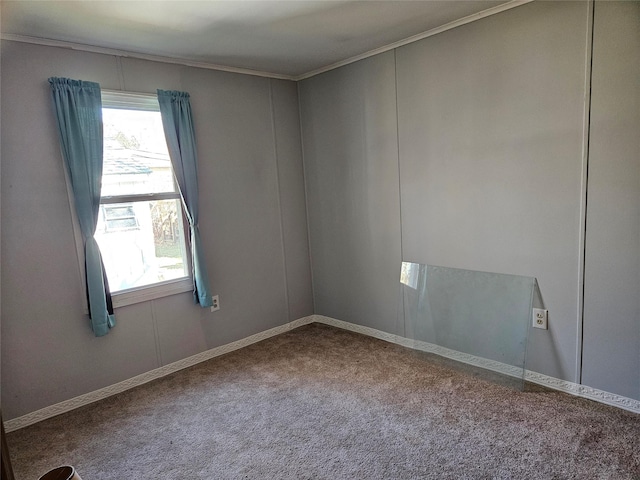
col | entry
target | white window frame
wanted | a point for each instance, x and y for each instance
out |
(147, 102)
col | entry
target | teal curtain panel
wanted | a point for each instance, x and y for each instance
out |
(177, 122)
(78, 111)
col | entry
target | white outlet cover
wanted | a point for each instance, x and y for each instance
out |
(216, 303)
(540, 318)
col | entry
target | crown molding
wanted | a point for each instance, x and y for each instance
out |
(414, 38)
(141, 56)
(247, 71)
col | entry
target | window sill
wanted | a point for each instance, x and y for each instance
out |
(151, 292)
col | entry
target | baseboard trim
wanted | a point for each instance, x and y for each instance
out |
(534, 377)
(87, 398)
(584, 391)
(492, 365)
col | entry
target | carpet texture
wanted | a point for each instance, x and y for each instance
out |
(324, 403)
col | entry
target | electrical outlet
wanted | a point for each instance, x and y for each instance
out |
(216, 303)
(540, 318)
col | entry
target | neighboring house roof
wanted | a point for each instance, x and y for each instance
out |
(119, 160)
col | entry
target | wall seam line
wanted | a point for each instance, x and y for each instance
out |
(120, 73)
(582, 245)
(306, 198)
(395, 80)
(275, 158)
(156, 336)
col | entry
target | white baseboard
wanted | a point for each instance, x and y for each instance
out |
(87, 398)
(583, 391)
(424, 347)
(534, 377)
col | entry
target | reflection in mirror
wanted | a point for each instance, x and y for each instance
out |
(477, 318)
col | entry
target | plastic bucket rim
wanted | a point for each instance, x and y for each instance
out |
(60, 473)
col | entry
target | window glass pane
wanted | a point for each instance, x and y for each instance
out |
(136, 160)
(118, 211)
(142, 243)
(121, 224)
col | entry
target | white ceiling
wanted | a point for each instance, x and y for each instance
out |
(290, 38)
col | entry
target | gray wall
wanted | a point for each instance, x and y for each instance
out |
(253, 225)
(612, 266)
(480, 131)
(491, 157)
(351, 172)
(463, 150)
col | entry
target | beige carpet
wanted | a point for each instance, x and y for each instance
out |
(323, 403)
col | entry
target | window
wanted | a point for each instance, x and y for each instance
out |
(119, 217)
(140, 227)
